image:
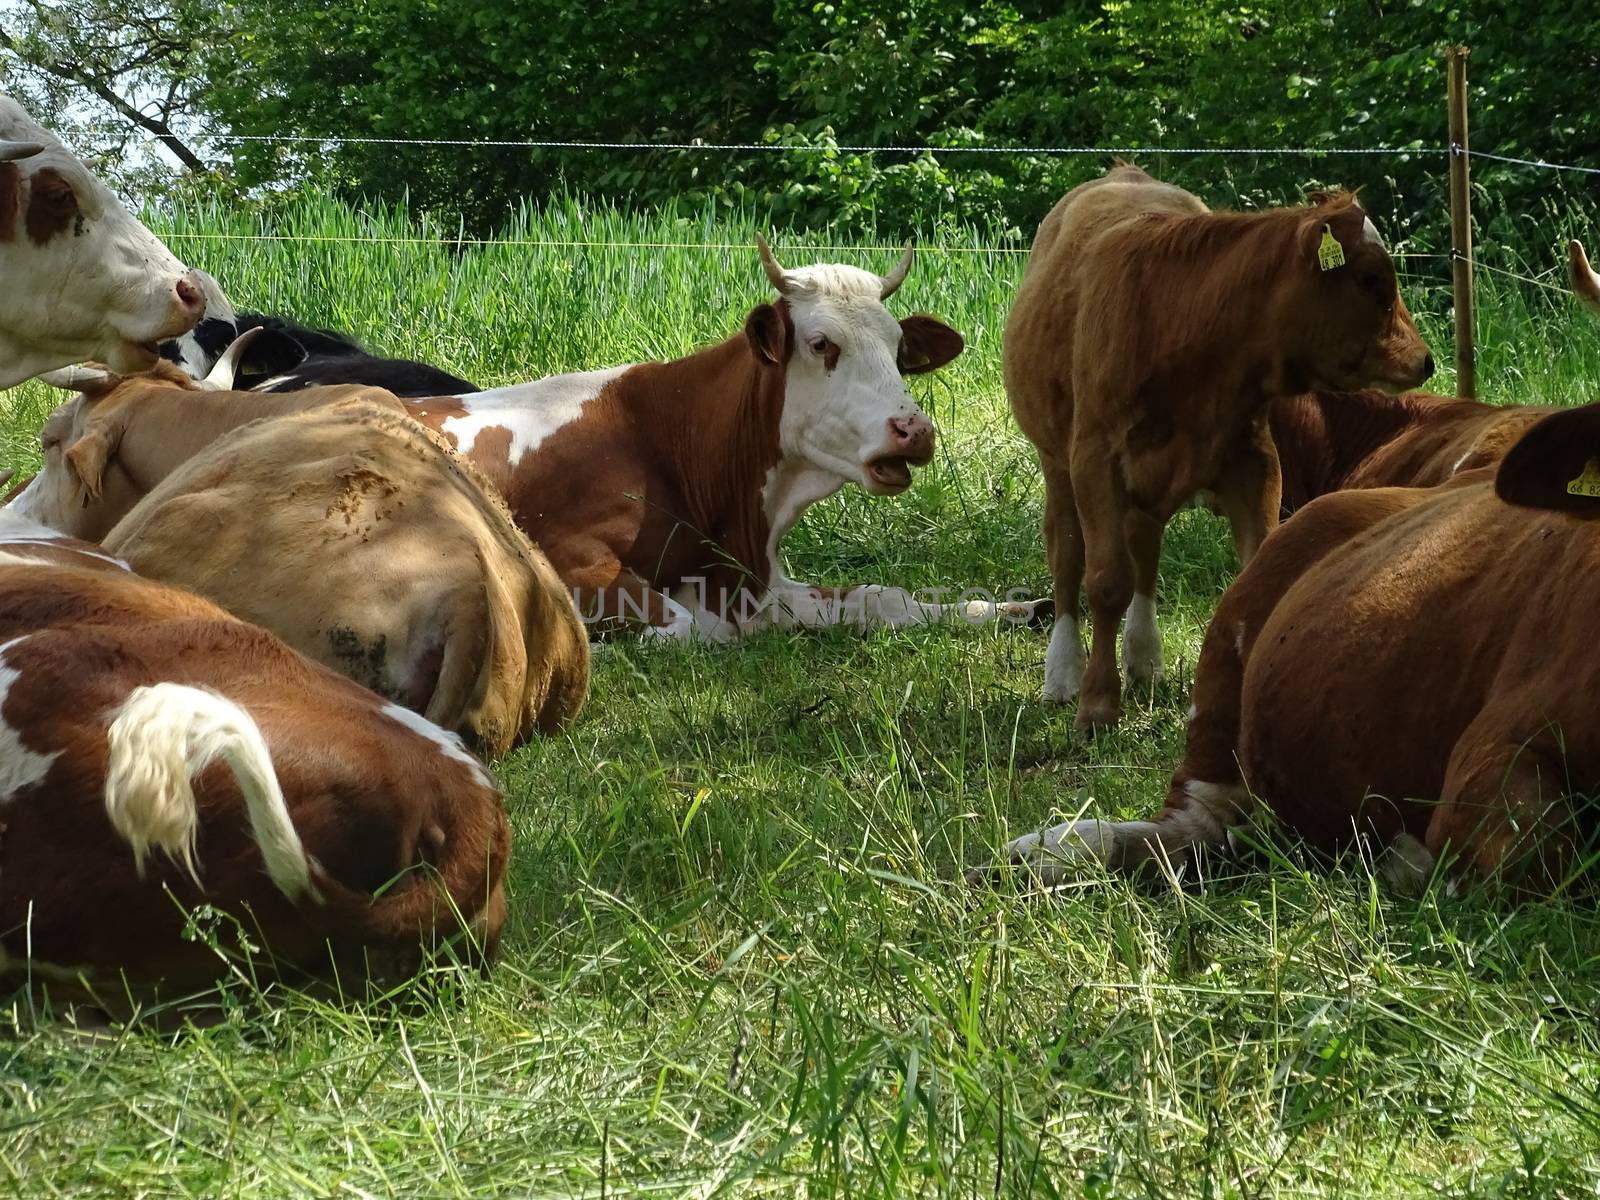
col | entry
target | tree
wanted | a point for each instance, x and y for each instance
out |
(105, 72)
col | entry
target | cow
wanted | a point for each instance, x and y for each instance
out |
(332, 519)
(287, 356)
(1329, 441)
(84, 279)
(161, 760)
(108, 446)
(1189, 323)
(1411, 665)
(359, 538)
(661, 491)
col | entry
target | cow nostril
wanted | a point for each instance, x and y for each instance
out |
(189, 295)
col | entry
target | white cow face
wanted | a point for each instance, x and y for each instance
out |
(846, 409)
(84, 279)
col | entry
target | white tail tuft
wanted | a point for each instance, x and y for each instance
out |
(159, 738)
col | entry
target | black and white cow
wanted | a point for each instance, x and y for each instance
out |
(287, 356)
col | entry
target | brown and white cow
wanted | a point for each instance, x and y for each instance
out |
(1146, 341)
(354, 534)
(1331, 441)
(159, 757)
(83, 278)
(661, 491)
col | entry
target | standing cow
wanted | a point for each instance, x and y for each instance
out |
(83, 279)
(1146, 342)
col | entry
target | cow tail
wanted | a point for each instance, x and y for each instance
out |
(163, 735)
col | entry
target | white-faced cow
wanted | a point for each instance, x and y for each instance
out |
(159, 757)
(286, 356)
(661, 491)
(83, 278)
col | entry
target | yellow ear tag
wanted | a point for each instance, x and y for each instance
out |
(1588, 481)
(1329, 253)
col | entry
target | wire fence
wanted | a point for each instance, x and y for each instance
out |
(1417, 150)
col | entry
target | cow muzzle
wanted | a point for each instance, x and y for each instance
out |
(908, 443)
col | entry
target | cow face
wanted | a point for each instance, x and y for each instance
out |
(197, 350)
(84, 278)
(846, 409)
(1354, 330)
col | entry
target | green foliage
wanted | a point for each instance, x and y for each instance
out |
(1298, 73)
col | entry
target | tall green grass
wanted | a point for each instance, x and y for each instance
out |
(739, 960)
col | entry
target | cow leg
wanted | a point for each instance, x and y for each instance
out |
(1063, 544)
(1504, 809)
(607, 591)
(1102, 504)
(1141, 638)
(1250, 493)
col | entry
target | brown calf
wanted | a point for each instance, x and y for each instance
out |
(1145, 343)
(1417, 664)
(158, 755)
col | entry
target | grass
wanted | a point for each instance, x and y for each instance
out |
(739, 961)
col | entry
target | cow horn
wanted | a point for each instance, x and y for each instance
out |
(1584, 280)
(776, 275)
(220, 378)
(79, 379)
(893, 280)
(10, 151)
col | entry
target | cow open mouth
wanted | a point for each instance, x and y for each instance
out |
(129, 357)
(889, 474)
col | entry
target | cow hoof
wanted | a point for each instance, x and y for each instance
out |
(1062, 693)
(1406, 866)
(1096, 714)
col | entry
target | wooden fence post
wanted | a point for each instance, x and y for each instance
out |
(1461, 224)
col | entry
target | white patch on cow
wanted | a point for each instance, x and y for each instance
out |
(1369, 233)
(269, 384)
(1141, 640)
(20, 767)
(18, 559)
(450, 743)
(157, 741)
(789, 489)
(680, 626)
(530, 411)
(1063, 662)
(708, 625)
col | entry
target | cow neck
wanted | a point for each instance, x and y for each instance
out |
(1323, 436)
(721, 442)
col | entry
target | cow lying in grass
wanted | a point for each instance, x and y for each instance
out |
(1331, 441)
(1414, 664)
(1145, 344)
(160, 755)
(341, 525)
(661, 491)
(287, 356)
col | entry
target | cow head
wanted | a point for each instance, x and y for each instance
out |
(1555, 464)
(84, 279)
(846, 409)
(1341, 302)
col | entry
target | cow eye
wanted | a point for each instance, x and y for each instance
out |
(820, 346)
(56, 192)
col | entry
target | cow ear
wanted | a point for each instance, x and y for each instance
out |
(926, 344)
(1556, 464)
(271, 352)
(87, 457)
(770, 333)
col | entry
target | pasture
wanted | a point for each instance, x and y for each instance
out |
(740, 960)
